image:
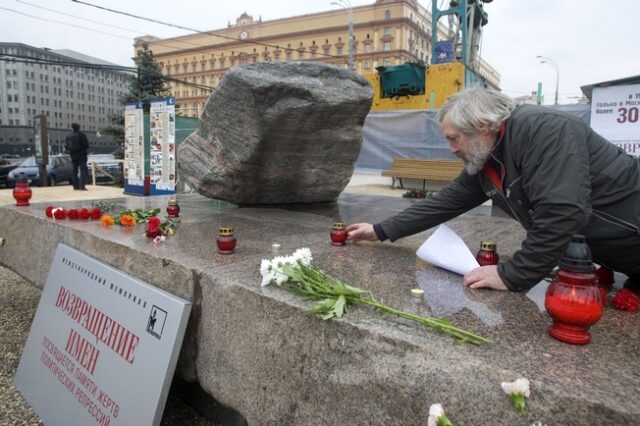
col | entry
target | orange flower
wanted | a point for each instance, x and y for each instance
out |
(106, 219)
(127, 220)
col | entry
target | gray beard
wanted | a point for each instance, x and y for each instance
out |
(476, 157)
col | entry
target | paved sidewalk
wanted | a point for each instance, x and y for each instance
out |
(64, 193)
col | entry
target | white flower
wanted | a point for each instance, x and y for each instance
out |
(159, 239)
(519, 386)
(273, 270)
(518, 391)
(437, 417)
(268, 272)
(435, 411)
(303, 255)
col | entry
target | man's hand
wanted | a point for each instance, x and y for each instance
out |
(484, 277)
(361, 232)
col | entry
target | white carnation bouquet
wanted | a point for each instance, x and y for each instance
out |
(332, 297)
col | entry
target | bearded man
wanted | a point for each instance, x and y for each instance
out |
(546, 169)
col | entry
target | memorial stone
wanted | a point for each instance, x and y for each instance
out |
(278, 133)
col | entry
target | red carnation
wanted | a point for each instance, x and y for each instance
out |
(626, 300)
(72, 213)
(48, 211)
(84, 213)
(96, 213)
(153, 227)
(59, 213)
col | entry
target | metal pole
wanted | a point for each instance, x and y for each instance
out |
(545, 60)
(345, 4)
(351, 64)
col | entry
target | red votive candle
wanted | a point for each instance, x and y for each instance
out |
(573, 299)
(338, 234)
(226, 241)
(487, 255)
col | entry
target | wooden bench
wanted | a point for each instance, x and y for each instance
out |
(423, 168)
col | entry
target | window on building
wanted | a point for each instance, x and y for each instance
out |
(386, 62)
(367, 48)
(339, 51)
(386, 47)
(387, 31)
(367, 65)
(387, 15)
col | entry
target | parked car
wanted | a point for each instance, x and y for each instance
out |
(5, 167)
(107, 168)
(59, 170)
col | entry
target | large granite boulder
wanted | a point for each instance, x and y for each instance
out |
(276, 133)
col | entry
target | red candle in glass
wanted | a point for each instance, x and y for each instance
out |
(487, 255)
(338, 234)
(226, 241)
(173, 209)
(22, 193)
(573, 299)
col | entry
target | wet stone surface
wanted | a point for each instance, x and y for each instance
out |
(259, 351)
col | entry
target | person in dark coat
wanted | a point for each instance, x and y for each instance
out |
(77, 146)
(546, 169)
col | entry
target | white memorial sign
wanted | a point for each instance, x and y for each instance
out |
(615, 114)
(103, 346)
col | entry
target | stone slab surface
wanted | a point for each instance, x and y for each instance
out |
(259, 351)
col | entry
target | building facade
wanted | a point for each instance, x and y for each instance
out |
(385, 33)
(54, 83)
(529, 99)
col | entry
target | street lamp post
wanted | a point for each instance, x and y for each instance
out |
(545, 60)
(347, 5)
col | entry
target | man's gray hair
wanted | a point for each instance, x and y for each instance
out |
(474, 109)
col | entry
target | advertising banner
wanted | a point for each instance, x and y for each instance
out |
(615, 114)
(103, 346)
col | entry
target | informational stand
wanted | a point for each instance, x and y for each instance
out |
(162, 123)
(103, 346)
(134, 170)
(150, 148)
(615, 114)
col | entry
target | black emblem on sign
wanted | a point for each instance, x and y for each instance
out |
(156, 322)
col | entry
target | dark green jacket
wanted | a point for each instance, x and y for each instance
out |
(559, 178)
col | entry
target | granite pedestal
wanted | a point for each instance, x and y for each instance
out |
(259, 352)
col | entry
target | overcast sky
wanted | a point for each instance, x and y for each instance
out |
(590, 41)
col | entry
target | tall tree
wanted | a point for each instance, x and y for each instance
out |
(147, 85)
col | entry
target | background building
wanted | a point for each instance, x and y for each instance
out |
(531, 99)
(385, 33)
(64, 85)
